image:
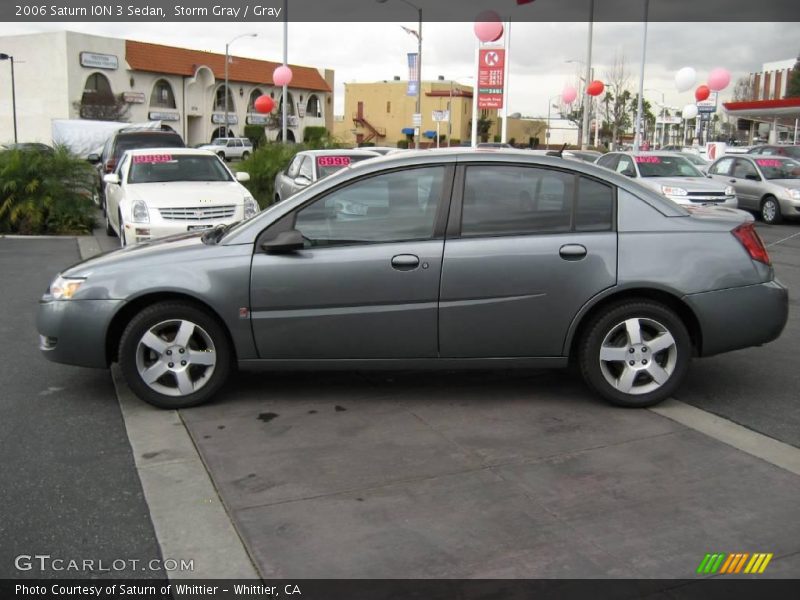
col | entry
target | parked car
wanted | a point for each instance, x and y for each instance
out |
(230, 148)
(382, 150)
(672, 175)
(585, 155)
(776, 150)
(158, 192)
(309, 166)
(128, 138)
(769, 186)
(30, 147)
(470, 259)
(698, 161)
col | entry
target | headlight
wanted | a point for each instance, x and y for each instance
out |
(730, 191)
(250, 207)
(794, 193)
(673, 191)
(64, 288)
(139, 212)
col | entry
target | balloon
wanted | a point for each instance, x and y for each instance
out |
(282, 76)
(595, 88)
(488, 27)
(702, 93)
(689, 111)
(719, 79)
(685, 78)
(568, 94)
(264, 104)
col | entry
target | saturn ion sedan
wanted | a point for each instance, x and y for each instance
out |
(429, 260)
(158, 192)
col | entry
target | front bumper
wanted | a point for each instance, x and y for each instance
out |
(740, 317)
(74, 332)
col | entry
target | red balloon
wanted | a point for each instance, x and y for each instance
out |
(595, 88)
(264, 104)
(702, 93)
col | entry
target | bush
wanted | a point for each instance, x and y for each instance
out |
(314, 135)
(263, 165)
(255, 133)
(402, 144)
(455, 142)
(42, 193)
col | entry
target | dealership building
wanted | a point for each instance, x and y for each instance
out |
(68, 75)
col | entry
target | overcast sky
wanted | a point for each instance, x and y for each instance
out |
(364, 52)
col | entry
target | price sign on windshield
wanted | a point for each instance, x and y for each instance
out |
(333, 161)
(652, 160)
(151, 158)
(769, 162)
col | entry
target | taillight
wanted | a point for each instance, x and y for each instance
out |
(110, 165)
(748, 236)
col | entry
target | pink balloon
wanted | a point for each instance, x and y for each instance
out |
(282, 76)
(568, 94)
(488, 27)
(719, 79)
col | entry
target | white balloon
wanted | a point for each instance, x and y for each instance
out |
(689, 111)
(685, 78)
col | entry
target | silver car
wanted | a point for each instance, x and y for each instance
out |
(429, 260)
(672, 175)
(309, 166)
(768, 185)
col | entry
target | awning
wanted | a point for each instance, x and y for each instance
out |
(430, 134)
(785, 110)
(407, 131)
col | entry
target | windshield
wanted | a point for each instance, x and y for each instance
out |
(163, 168)
(327, 165)
(779, 168)
(220, 142)
(145, 140)
(695, 160)
(666, 166)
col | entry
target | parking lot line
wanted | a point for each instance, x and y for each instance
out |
(756, 444)
(184, 506)
(787, 238)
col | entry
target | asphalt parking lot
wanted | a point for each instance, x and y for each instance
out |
(438, 475)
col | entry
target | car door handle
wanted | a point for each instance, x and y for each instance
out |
(405, 262)
(572, 252)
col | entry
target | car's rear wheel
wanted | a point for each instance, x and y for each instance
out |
(221, 155)
(245, 155)
(635, 354)
(175, 355)
(109, 228)
(771, 210)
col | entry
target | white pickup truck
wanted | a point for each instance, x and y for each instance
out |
(230, 148)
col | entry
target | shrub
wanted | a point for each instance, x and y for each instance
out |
(402, 144)
(455, 142)
(314, 135)
(42, 193)
(255, 133)
(263, 165)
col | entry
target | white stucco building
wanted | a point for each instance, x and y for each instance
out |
(68, 75)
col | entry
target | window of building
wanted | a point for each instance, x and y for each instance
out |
(388, 107)
(162, 96)
(251, 103)
(289, 107)
(97, 89)
(219, 99)
(313, 106)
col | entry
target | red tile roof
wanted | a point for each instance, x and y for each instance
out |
(156, 58)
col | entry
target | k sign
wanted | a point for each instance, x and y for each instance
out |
(490, 77)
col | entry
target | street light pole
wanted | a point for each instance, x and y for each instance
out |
(285, 91)
(418, 35)
(227, 60)
(13, 92)
(585, 128)
(637, 136)
(547, 130)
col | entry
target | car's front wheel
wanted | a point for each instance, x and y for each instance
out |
(771, 210)
(635, 354)
(245, 155)
(175, 355)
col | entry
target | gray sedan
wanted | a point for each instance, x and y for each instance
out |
(428, 260)
(768, 185)
(309, 166)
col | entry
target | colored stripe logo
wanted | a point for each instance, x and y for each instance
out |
(734, 563)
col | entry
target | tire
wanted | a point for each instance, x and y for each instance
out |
(123, 240)
(655, 375)
(109, 229)
(221, 156)
(151, 340)
(245, 155)
(277, 198)
(771, 211)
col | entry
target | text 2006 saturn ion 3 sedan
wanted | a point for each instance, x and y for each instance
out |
(429, 260)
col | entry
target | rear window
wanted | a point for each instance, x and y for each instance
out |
(147, 140)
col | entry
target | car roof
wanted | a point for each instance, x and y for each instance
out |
(170, 150)
(341, 152)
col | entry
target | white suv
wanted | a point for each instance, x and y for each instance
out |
(230, 148)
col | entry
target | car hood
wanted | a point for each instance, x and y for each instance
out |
(161, 249)
(788, 183)
(183, 193)
(690, 184)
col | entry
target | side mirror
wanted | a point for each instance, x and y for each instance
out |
(752, 177)
(93, 158)
(302, 180)
(111, 178)
(242, 176)
(284, 242)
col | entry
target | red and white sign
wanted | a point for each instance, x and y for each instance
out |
(490, 77)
